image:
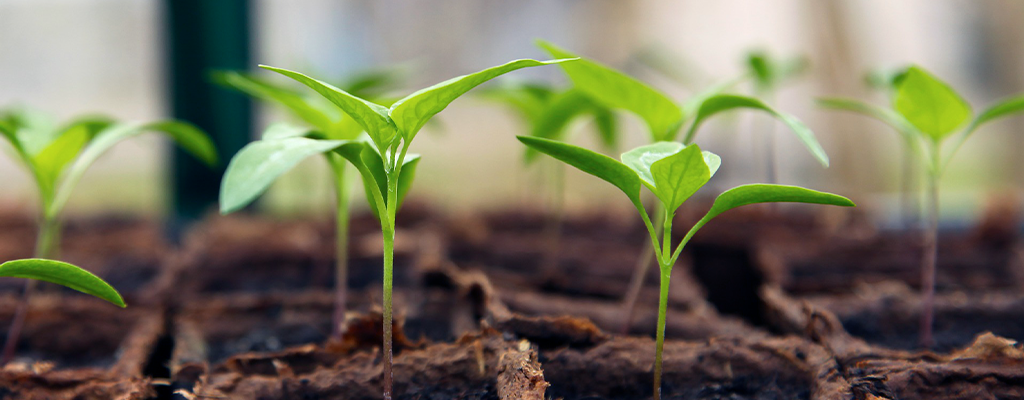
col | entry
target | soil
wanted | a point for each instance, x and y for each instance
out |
(765, 305)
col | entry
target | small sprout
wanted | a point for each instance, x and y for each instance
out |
(673, 172)
(383, 160)
(57, 157)
(927, 112)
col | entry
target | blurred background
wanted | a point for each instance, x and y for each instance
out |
(147, 59)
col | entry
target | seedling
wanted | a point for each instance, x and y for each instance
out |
(769, 74)
(929, 112)
(258, 165)
(58, 157)
(664, 118)
(383, 161)
(673, 172)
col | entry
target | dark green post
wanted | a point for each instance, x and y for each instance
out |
(206, 35)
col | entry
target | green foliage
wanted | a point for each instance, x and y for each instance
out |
(599, 165)
(930, 104)
(664, 118)
(57, 158)
(769, 73)
(63, 274)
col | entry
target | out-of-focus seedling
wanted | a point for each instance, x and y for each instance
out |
(768, 75)
(673, 172)
(57, 157)
(383, 160)
(929, 113)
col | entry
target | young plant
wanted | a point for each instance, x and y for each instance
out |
(673, 172)
(383, 160)
(57, 157)
(768, 75)
(664, 118)
(929, 112)
(243, 184)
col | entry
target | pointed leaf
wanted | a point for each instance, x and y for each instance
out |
(618, 90)
(371, 116)
(254, 168)
(763, 193)
(411, 112)
(1001, 109)
(556, 116)
(726, 102)
(63, 274)
(680, 175)
(50, 163)
(593, 163)
(641, 158)
(268, 92)
(930, 104)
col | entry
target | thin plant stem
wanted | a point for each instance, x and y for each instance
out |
(389, 251)
(636, 283)
(555, 215)
(47, 246)
(665, 262)
(908, 196)
(342, 191)
(929, 259)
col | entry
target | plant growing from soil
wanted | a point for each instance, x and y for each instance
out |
(382, 160)
(929, 112)
(243, 184)
(57, 157)
(673, 172)
(664, 119)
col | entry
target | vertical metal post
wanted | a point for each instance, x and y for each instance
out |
(202, 36)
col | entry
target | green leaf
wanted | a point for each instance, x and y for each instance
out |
(528, 99)
(63, 274)
(1001, 109)
(593, 163)
(187, 136)
(411, 112)
(763, 193)
(371, 116)
(375, 164)
(726, 102)
(35, 130)
(50, 163)
(284, 130)
(930, 104)
(254, 168)
(680, 175)
(556, 116)
(617, 90)
(641, 158)
(261, 89)
(896, 121)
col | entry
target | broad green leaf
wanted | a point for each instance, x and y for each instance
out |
(903, 127)
(187, 136)
(930, 104)
(680, 175)
(726, 102)
(266, 91)
(50, 162)
(371, 116)
(641, 158)
(764, 193)
(1001, 109)
(63, 274)
(617, 90)
(713, 161)
(375, 164)
(411, 112)
(260, 163)
(593, 163)
(284, 130)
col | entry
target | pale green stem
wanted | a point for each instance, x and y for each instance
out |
(931, 248)
(342, 191)
(394, 173)
(643, 265)
(666, 275)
